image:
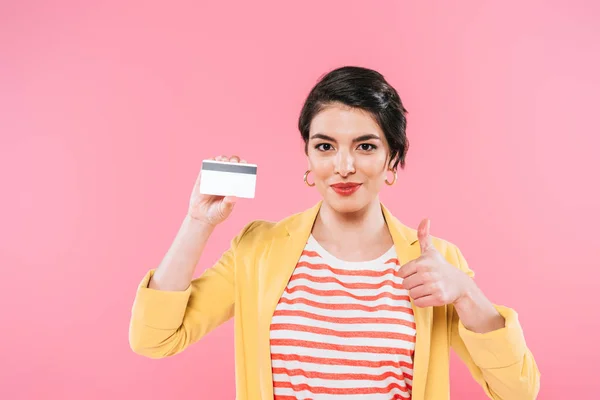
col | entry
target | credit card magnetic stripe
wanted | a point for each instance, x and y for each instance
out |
(237, 168)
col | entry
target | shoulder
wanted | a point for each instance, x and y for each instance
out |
(452, 254)
(262, 229)
(411, 236)
(253, 230)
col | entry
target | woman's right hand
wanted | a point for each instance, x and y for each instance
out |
(211, 209)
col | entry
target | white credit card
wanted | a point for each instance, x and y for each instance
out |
(228, 178)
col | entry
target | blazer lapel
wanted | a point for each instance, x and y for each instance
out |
(285, 250)
(407, 248)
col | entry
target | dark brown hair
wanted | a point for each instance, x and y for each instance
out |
(365, 89)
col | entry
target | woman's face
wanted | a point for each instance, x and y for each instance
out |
(347, 146)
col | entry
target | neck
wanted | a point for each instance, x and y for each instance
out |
(368, 219)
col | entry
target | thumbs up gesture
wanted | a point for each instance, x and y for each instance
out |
(430, 279)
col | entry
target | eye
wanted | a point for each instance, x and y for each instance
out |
(367, 147)
(323, 146)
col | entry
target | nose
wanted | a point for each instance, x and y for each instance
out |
(344, 164)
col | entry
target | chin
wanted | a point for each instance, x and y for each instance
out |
(349, 204)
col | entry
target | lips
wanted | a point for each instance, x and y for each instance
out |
(345, 189)
(345, 185)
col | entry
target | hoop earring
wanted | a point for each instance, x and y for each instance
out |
(395, 177)
(306, 179)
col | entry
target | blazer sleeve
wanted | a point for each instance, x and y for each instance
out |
(164, 323)
(498, 360)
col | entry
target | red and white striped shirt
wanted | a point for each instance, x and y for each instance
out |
(343, 330)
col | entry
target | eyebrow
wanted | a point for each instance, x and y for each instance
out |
(361, 138)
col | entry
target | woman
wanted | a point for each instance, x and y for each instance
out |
(341, 300)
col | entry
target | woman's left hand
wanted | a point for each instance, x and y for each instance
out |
(430, 279)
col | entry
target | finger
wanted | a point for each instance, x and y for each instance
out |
(234, 159)
(227, 204)
(230, 199)
(413, 281)
(407, 269)
(425, 301)
(221, 158)
(424, 236)
(420, 291)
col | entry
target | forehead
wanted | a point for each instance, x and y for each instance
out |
(343, 120)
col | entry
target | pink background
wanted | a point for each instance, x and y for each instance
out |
(106, 112)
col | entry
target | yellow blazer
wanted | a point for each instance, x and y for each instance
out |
(248, 280)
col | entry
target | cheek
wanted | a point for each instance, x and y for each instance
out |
(320, 172)
(372, 169)
(321, 168)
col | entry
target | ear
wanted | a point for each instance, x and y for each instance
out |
(390, 164)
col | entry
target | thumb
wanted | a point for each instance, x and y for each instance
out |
(424, 236)
(229, 202)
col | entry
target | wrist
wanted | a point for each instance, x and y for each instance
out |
(476, 312)
(197, 224)
(467, 297)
